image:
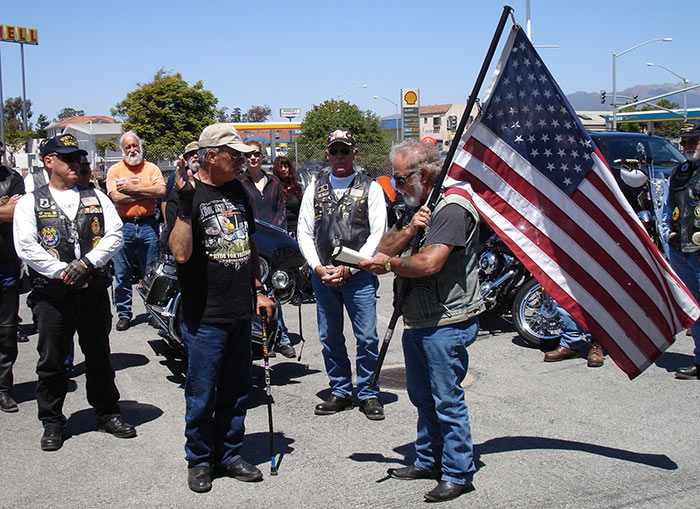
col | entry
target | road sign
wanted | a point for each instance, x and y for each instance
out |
(290, 112)
(410, 113)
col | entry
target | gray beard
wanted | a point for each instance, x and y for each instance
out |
(133, 158)
(413, 199)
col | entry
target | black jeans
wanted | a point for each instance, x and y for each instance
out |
(88, 312)
(9, 305)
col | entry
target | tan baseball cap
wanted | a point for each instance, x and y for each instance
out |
(223, 134)
(191, 147)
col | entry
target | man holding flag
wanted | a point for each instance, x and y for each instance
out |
(440, 318)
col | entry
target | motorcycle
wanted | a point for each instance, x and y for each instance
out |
(508, 288)
(283, 273)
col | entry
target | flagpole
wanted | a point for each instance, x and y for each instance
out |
(437, 188)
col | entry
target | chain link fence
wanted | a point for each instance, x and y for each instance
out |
(372, 158)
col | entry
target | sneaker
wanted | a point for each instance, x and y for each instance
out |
(123, 323)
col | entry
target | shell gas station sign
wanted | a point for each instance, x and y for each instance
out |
(22, 35)
(410, 113)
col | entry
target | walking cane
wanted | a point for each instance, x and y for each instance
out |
(266, 360)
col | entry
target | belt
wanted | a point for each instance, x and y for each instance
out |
(140, 219)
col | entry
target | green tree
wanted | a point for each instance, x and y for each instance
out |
(42, 122)
(13, 113)
(167, 113)
(257, 114)
(667, 128)
(103, 144)
(372, 144)
(68, 113)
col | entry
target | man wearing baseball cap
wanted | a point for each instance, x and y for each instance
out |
(67, 234)
(344, 208)
(211, 238)
(682, 218)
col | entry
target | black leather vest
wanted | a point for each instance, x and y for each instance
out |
(684, 201)
(57, 234)
(340, 222)
(38, 177)
(7, 248)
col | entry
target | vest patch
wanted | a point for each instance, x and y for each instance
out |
(49, 237)
(90, 201)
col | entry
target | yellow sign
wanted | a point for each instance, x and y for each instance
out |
(9, 33)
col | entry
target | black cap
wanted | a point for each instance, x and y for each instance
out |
(63, 144)
(341, 136)
(690, 128)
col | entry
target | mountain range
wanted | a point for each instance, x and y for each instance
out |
(590, 101)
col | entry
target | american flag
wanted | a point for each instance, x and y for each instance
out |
(531, 170)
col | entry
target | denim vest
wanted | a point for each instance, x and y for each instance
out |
(452, 295)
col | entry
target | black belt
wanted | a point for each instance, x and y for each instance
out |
(140, 219)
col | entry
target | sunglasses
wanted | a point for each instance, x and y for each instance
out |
(401, 179)
(257, 153)
(68, 158)
(334, 151)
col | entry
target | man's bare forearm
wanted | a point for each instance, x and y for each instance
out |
(180, 240)
(395, 241)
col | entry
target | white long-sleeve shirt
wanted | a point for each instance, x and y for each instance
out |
(376, 211)
(26, 237)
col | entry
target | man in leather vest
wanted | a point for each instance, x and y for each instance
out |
(440, 308)
(682, 218)
(11, 189)
(67, 234)
(345, 208)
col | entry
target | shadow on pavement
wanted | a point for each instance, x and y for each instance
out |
(171, 360)
(256, 448)
(135, 413)
(26, 391)
(672, 361)
(384, 398)
(119, 362)
(522, 443)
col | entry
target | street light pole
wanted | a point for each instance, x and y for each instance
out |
(614, 79)
(685, 83)
(351, 88)
(398, 138)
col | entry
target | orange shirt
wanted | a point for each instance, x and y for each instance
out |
(145, 174)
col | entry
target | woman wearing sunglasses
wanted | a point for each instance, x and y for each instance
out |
(284, 170)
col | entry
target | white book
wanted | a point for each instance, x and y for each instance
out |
(346, 256)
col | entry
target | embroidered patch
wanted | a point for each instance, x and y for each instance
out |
(49, 237)
(95, 226)
(135, 180)
(44, 214)
(696, 211)
(322, 188)
(356, 193)
(675, 214)
(44, 203)
(90, 201)
(53, 253)
(696, 238)
(95, 241)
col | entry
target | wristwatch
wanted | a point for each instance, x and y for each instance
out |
(387, 265)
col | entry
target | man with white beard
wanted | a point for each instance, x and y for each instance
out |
(133, 185)
(682, 221)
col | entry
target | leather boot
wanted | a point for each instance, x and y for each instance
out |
(595, 355)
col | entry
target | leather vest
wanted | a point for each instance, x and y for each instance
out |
(684, 202)
(452, 295)
(38, 177)
(57, 234)
(343, 221)
(7, 248)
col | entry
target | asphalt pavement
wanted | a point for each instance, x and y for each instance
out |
(545, 434)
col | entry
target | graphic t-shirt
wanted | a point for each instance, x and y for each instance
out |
(216, 282)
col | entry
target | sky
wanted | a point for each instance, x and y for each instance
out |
(289, 54)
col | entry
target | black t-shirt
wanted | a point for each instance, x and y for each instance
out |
(11, 183)
(450, 226)
(216, 282)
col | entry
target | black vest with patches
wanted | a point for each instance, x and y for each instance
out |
(38, 177)
(57, 234)
(684, 201)
(340, 222)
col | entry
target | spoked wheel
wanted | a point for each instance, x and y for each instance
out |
(535, 316)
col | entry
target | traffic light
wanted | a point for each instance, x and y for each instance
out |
(602, 97)
(635, 98)
(452, 123)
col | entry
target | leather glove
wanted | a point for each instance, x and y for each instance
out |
(185, 197)
(77, 273)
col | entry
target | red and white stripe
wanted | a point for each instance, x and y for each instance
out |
(588, 250)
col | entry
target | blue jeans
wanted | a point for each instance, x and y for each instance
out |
(216, 391)
(436, 364)
(573, 336)
(359, 296)
(140, 239)
(687, 266)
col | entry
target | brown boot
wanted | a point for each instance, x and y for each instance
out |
(595, 355)
(560, 354)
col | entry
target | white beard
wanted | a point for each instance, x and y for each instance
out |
(133, 158)
(692, 155)
(413, 198)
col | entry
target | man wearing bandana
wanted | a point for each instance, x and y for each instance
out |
(67, 233)
(682, 218)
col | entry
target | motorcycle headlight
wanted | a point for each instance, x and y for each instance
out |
(280, 280)
(264, 269)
